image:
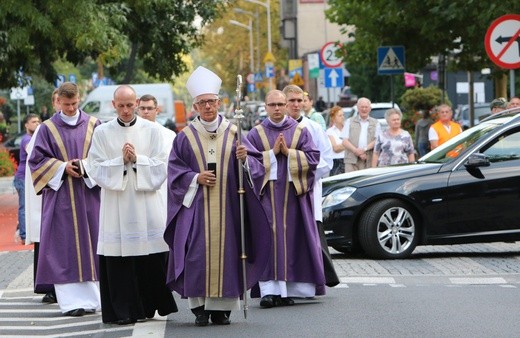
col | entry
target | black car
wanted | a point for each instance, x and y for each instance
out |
(465, 191)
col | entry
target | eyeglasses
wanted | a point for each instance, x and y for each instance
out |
(211, 102)
(295, 100)
(275, 104)
(147, 108)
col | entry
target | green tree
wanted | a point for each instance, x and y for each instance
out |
(425, 28)
(125, 37)
(34, 34)
(160, 33)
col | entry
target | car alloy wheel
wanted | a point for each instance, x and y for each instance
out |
(387, 229)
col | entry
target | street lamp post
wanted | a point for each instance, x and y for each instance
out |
(251, 50)
(250, 29)
(267, 5)
(255, 15)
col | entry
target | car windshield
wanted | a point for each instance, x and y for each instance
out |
(455, 146)
(378, 113)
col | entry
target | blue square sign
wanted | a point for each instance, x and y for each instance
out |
(390, 60)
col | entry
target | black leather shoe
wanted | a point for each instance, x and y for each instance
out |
(125, 321)
(75, 313)
(269, 301)
(202, 319)
(220, 318)
(49, 298)
(286, 301)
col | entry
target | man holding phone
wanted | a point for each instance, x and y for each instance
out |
(203, 223)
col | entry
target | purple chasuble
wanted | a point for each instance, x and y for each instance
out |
(70, 216)
(204, 238)
(296, 255)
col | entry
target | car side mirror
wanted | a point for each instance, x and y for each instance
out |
(477, 160)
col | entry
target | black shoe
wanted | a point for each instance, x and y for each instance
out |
(125, 321)
(286, 301)
(269, 301)
(49, 298)
(202, 319)
(220, 317)
(75, 313)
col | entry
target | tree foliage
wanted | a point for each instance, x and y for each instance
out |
(226, 46)
(34, 34)
(160, 32)
(426, 28)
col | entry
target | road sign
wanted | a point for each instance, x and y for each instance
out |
(258, 77)
(269, 70)
(314, 65)
(251, 88)
(500, 41)
(297, 80)
(72, 78)
(250, 78)
(334, 78)
(390, 60)
(328, 55)
(19, 93)
(59, 80)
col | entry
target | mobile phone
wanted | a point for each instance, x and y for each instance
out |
(213, 167)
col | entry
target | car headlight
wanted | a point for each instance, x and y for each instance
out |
(337, 197)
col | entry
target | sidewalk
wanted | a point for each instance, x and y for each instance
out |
(9, 216)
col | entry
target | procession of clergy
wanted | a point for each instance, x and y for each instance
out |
(131, 212)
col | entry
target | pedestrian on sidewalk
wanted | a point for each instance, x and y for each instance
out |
(31, 122)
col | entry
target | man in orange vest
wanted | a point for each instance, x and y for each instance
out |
(444, 129)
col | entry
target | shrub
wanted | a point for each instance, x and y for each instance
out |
(8, 164)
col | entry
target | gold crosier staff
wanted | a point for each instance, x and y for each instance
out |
(238, 117)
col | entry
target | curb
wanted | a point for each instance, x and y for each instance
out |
(6, 185)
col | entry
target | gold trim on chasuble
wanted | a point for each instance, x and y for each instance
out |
(215, 199)
(61, 146)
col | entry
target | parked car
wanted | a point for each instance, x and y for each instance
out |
(346, 98)
(378, 111)
(467, 190)
(481, 111)
(12, 144)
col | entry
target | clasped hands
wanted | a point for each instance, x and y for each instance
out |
(280, 146)
(129, 155)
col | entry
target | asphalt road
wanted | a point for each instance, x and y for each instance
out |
(443, 291)
(446, 291)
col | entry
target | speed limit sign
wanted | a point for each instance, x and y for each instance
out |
(328, 55)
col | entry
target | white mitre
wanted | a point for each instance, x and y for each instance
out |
(203, 81)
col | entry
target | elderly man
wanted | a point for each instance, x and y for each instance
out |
(359, 137)
(444, 129)
(204, 218)
(128, 161)
(291, 158)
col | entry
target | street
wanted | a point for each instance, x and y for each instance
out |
(443, 291)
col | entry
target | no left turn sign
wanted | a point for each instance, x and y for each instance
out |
(503, 41)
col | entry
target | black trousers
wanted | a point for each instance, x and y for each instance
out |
(331, 277)
(134, 287)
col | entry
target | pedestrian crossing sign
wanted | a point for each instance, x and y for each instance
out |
(390, 60)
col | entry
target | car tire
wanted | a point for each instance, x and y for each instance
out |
(388, 229)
